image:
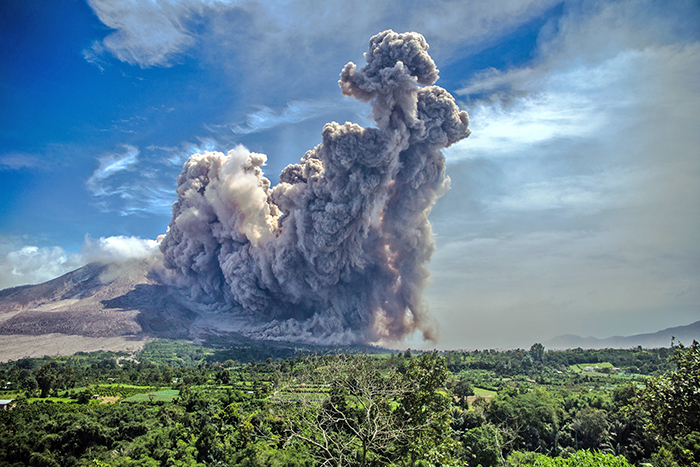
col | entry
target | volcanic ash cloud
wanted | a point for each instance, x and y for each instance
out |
(336, 252)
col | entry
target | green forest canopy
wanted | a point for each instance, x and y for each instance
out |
(192, 405)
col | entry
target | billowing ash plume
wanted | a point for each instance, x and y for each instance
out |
(337, 251)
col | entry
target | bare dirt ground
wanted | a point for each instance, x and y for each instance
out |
(109, 399)
(14, 347)
(471, 399)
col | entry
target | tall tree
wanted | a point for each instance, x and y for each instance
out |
(672, 403)
(352, 413)
(673, 400)
(46, 377)
(537, 352)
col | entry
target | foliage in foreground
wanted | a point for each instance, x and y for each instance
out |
(672, 406)
(580, 459)
(361, 414)
(355, 410)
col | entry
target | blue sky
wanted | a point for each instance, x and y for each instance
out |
(574, 205)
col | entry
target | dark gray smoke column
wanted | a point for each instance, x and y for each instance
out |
(337, 251)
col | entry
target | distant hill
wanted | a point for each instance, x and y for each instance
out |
(684, 334)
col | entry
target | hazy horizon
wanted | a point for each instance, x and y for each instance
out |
(573, 206)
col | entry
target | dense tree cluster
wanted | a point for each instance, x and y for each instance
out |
(538, 362)
(517, 408)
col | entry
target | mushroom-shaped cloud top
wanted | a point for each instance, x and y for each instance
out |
(392, 58)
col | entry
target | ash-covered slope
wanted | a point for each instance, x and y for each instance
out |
(83, 281)
(97, 300)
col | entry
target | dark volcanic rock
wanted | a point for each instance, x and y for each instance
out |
(160, 313)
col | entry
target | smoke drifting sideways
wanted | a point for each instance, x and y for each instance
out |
(336, 252)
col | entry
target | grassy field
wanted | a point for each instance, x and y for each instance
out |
(119, 385)
(165, 395)
(484, 392)
(479, 392)
(49, 399)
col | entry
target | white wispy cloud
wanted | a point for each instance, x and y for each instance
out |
(140, 197)
(31, 265)
(294, 112)
(177, 155)
(17, 161)
(575, 132)
(127, 185)
(159, 32)
(536, 107)
(111, 164)
(535, 119)
(117, 248)
(151, 33)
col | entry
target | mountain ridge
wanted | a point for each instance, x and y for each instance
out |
(683, 334)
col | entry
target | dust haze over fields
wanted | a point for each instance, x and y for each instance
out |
(336, 252)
